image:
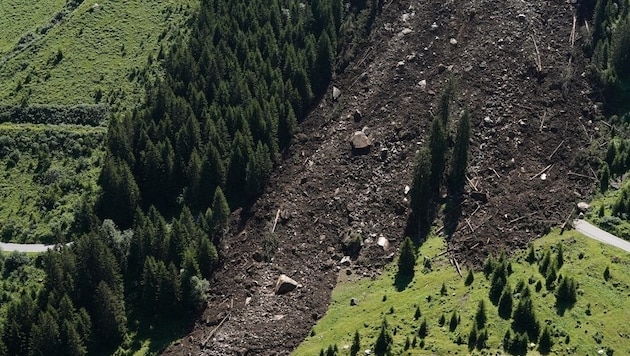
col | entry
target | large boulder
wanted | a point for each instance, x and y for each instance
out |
(360, 141)
(285, 284)
(583, 207)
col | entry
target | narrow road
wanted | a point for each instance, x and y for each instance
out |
(10, 247)
(600, 235)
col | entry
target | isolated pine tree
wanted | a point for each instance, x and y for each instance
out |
(356, 343)
(423, 330)
(480, 315)
(470, 278)
(384, 341)
(407, 260)
(452, 325)
(545, 343)
(417, 314)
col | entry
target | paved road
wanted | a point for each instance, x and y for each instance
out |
(10, 247)
(600, 235)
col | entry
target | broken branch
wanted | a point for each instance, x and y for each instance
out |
(541, 172)
(556, 150)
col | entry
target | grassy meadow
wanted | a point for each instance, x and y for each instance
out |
(96, 54)
(597, 321)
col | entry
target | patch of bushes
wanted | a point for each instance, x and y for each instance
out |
(90, 115)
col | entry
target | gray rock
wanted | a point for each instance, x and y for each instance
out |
(383, 242)
(285, 284)
(359, 140)
(336, 93)
(353, 302)
(345, 261)
(357, 115)
(583, 206)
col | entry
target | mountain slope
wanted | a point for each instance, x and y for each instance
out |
(524, 118)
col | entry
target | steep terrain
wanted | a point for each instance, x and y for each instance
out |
(532, 111)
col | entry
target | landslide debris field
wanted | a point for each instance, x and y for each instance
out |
(519, 68)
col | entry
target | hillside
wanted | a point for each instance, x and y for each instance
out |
(73, 52)
(531, 108)
(65, 67)
(592, 323)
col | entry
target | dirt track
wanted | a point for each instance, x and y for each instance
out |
(525, 119)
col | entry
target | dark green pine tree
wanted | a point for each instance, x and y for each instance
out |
(604, 177)
(480, 315)
(356, 344)
(452, 325)
(407, 260)
(470, 278)
(421, 190)
(323, 65)
(459, 159)
(110, 320)
(438, 147)
(45, 336)
(384, 341)
(545, 343)
(220, 211)
(448, 94)
(505, 302)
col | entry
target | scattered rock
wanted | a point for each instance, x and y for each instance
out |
(521, 17)
(257, 256)
(336, 93)
(407, 189)
(357, 115)
(353, 302)
(285, 284)
(406, 31)
(359, 140)
(434, 26)
(423, 84)
(345, 261)
(583, 206)
(383, 242)
(453, 41)
(488, 121)
(248, 300)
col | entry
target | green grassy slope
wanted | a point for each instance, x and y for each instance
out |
(19, 17)
(98, 50)
(45, 172)
(603, 328)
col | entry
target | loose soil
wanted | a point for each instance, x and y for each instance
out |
(526, 116)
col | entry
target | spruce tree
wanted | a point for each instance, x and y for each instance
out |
(452, 325)
(505, 302)
(407, 260)
(356, 343)
(604, 177)
(220, 210)
(384, 341)
(438, 147)
(459, 159)
(480, 315)
(545, 343)
(420, 191)
(470, 278)
(423, 330)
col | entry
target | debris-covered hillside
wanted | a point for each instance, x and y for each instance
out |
(518, 66)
